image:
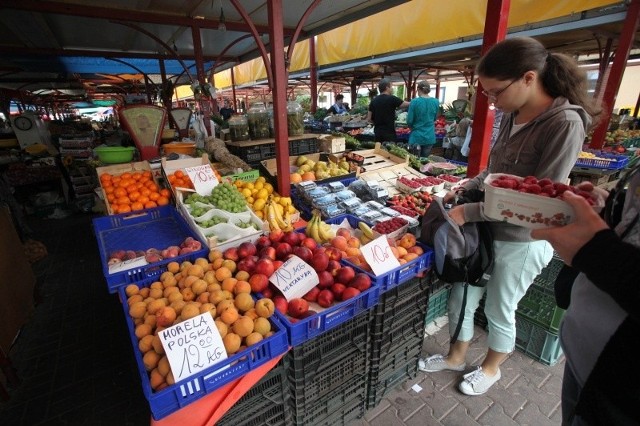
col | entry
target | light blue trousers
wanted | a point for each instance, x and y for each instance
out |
(516, 265)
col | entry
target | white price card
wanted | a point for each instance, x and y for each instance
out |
(192, 346)
(294, 278)
(378, 255)
(128, 264)
(203, 177)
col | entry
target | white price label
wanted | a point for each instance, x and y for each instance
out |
(128, 264)
(378, 255)
(294, 278)
(203, 177)
(192, 346)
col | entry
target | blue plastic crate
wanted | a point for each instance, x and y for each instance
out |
(605, 161)
(159, 228)
(305, 329)
(184, 392)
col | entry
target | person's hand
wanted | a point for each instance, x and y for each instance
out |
(568, 239)
(449, 197)
(457, 215)
(599, 195)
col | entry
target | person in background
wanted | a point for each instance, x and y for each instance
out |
(226, 111)
(339, 107)
(421, 118)
(546, 113)
(382, 112)
(601, 384)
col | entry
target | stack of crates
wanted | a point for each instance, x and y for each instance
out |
(328, 374)
(538, 317)
(397, 334)
(267, 402)
(438, 300)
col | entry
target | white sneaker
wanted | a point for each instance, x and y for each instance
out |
(438, 363)
(477, 383)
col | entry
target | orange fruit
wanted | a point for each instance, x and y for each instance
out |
(123, 200)
(145, 191)
(162, 201)
(133, 196)
(125, 175)
(143, 199)
(110, 198)
(109, 189)
(146, 174)
(136, 206)
(153, 196)
(136, 176)
(150, 204)
(165, 192)
(120, 192)
(124, 208)
(152, 186)
(179, 174)
(105, 177)
(171, 178)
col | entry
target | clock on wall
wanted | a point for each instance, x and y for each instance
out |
(23, 123)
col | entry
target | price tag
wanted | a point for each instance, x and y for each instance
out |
(294, 278)
(127, 264)
(192, 346)
(203, 177)
(378, 255)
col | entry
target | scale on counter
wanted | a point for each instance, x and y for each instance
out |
(182, 118)
(145, 124)
(30, 129)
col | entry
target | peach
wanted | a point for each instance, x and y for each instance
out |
(416, 249)
(340, 243)
(411, 256)
(344, 232)
(402, 252)
(407, 241)
(353, 242)
(352, 251)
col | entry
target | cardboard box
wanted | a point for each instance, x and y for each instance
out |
(332, 144)
(16, 286)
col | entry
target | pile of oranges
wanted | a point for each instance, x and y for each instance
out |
(180, 179)
(133, 191)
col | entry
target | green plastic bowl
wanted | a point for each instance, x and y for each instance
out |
(115, 154)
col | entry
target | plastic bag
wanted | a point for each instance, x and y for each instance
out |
(467, 140)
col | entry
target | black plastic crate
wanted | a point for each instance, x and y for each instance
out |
(400, 303)
(398, 359)
(378, 390)
(267, 151)
(266, 403)
(319, 366)
(303, 146)
(343, 405)
(385, 346)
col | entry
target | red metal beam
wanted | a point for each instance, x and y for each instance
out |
(313, 74)
(112, 13)
(495, 29)
(279, 88)
(205, 101)
(625, 43)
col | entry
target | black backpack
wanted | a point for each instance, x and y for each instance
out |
(461, 253)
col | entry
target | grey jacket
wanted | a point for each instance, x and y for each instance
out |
(545, 147)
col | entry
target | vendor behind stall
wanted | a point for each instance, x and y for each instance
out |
(339, 107)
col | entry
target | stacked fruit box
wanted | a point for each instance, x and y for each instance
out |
(328, 374)
(438, 299)
(397, 333)
(538, 317)
(267, 402)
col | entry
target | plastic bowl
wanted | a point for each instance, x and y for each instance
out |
(187, 148)
(115, 154)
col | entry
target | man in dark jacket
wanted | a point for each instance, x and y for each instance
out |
(382, 112)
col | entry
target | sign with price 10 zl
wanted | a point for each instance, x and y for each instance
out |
(203, 177)
(378, 255)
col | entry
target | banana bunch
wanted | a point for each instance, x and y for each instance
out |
(277, 216)
(367, 233)
(318, 230)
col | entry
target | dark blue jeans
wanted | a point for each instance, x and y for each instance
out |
(420, 150)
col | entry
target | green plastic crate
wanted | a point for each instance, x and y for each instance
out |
(539, 306)
(536, 342)
(437, 304)
(550, 272)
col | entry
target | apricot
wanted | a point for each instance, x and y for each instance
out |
(189, 280)
(198, 287)
(157, 344)
(216, 296)
(243, 276)
(229, 316)
(156, 285)
(253, 338)
(209, 307)
(224, 305)
(144, 292)
(230, 265)
(203, 297)
(202, 262)
(170, 379)
(150, 360)
(178, 305)
(231, 343)
(223, 329)
(143, 330)
(251, 313)
(261, 325)
(166, 316)
(174, 297)
(185, 265)
(243, 301)
(210, 277)
(214, 254)
(242, 287)
(156, 379)
(188, 295)
(213, 287)
(170, 282)
(145, 344)
(189, 311)
(165, 275)
(265, 307)
(155, 293)
(164, 367)
(138, 309)
(173, 267)
(133, 299)
(195, 270)
(228, 283)
(150, 319)
(223, 273)
(153, 306)
(131, 290)
(217, 264)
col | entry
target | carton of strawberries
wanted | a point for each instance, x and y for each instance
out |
(531, 202)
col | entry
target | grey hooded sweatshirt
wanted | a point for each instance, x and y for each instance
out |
(546, 147)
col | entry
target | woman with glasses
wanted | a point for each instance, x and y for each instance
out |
(601, 384)
(546, 108)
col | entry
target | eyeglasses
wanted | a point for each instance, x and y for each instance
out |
(495, 95)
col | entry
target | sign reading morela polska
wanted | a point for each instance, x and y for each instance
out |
(294, 278)
(192, 346)
(203, 177)
(378, 255)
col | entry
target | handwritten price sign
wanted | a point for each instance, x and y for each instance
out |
(203, 177)
(379, 256)
(294, 278)
(192, 346)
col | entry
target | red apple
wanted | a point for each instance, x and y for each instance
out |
(119, 254)
(276, 236)
(350, 292)
(247, 264)
(337, 289)
(268, 252)
(246, 249)
(291, 238)
(283, 250)
(325, 298)
(297, 307)
(303, 253)
(333, 267)
(277, 264)
(320, 262)
(281, 304)
(361, 281)
(268, 293)
(263, 242)
(301, 237)
(259, 283)
(264, 267)
(309, 243)
(333, 253)
(345, 274)
(325, 279)
(231, 254)
(312, 295)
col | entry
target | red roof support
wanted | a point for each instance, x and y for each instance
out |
(615, 74)
(495, 30)
(313, 74)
